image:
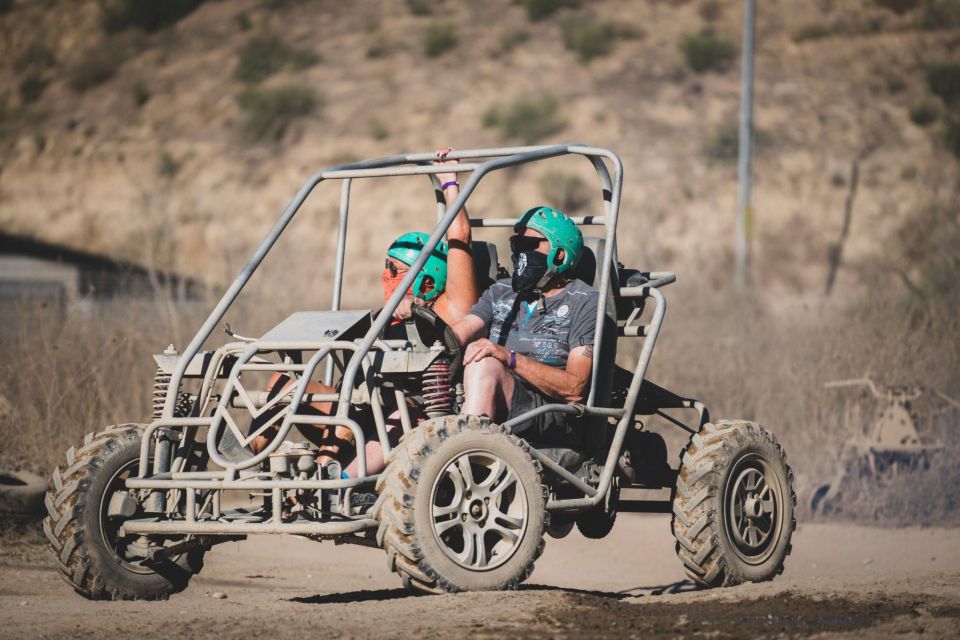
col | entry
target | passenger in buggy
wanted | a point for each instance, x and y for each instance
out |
(446, 283)
(529, 340)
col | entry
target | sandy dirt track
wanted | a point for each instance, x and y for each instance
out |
(840, 581)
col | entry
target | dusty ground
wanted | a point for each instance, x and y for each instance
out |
(840, 581)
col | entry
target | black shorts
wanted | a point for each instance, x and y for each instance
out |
(547, 430)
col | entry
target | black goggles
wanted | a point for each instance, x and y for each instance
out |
(392, 268)
(522, 244)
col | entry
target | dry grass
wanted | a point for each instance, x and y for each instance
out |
(744, 357)
(62, 379)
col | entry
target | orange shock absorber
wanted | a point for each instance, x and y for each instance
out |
(437, 390)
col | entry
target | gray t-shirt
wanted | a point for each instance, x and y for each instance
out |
(567, 321)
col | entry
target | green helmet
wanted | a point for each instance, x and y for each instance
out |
(407, 248)
(562, 233)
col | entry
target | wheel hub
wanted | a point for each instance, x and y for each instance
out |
(479, 510)
(753, 509)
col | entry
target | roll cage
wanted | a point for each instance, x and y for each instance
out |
(360, 352)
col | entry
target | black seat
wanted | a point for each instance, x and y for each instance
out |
(596, 437)
(587, 271)
(485, 264)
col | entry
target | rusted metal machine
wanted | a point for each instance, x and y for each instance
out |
(890, 445)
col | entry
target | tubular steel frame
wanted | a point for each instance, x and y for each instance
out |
(242, 475)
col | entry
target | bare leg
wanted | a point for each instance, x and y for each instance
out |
(280, 383)
(489, 389)
(375, 459)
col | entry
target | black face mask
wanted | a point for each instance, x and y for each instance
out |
(529, 268)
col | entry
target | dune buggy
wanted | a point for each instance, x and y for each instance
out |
(463, 503)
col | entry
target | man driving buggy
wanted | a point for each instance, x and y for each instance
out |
(529, 339)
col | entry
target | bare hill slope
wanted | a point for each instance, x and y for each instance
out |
(140, 143)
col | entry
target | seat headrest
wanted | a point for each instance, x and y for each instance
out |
(485, 264)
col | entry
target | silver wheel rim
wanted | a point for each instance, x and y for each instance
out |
(118, 550)
(109, 526)
(754, 509)
(478, 510)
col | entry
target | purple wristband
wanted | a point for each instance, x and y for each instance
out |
(513, 360)
(452, 183)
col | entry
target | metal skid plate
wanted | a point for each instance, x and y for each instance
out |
(319, 326)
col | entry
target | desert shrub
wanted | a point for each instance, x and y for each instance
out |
(943, 79)
(270, 112)
(951, 135)
(940, 14)
(149, 15)
(141, 93)
(586, 38)
(812, 31)
(244, 21)
(380, 47)
(420, 7)
(723, 144)
(36, 57)
(527, 120)
(707, 51)
(541, 9)
(167, 165)
(266, 54)
(512, 39)
(628, 31)
(32, 87)
(899, 7)
(439, 38)
(94, 66)
(710, 10)
(924, 113)
(5, 6)
(566, 191)
(259, 57)
(378, 129)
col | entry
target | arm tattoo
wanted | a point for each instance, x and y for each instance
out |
(588, 351)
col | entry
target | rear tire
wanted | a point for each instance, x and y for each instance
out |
(461, 507)
(733, 506)
(84, 541)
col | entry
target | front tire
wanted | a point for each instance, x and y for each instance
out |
(733, 506)
(90, 555)
(461, 507)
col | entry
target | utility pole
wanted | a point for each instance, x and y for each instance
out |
(745, 160)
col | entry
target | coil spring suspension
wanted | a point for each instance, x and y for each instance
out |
(161, 384)
(437, 390)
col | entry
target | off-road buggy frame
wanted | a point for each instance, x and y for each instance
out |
(463, 503)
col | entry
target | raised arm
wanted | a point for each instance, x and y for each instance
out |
(461, 292)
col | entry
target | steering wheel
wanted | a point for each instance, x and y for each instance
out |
(432, 328)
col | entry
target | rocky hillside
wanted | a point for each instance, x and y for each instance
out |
(175, 137)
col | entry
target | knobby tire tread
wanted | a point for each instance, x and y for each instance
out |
(66, 502)
(694, 522)
(393, 510)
